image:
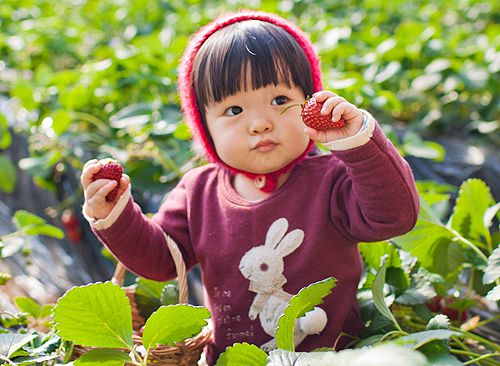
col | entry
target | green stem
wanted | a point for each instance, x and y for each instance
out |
(483, 357)
(469, 244)
(470, 285)
(4, 358)
(486, 321)
(390, 334)
(480, 339)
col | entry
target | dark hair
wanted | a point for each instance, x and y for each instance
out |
(267, 51)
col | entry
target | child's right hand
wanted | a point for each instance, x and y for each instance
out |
(95, 192)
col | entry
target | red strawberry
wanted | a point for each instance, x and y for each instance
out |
(110, 169)
(313, 118)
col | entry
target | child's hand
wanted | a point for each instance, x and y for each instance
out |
(338, 107)
(95, 192)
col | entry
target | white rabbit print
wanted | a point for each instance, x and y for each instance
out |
(263, 266)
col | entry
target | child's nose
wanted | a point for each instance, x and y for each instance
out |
(259, 125)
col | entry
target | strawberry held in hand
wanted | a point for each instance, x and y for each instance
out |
(110, 169)
(312, 117)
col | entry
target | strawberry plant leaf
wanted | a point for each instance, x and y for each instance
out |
(28, 305)
(149, 295)
(492, 270)
(419, 292)
(34, 360)
(433, 244)
(8, 176)
(174, 323)
(419, 339)
(11, 343)
(95, 315)
(46, 310)
(438, 354)
(494, 294)
(242, 354)
(474, 199)
(372, 252)
(303, 302)
(378, 292)
(391, 354)
(5, 136)
(35, 225)
(45, 229)
(103, 357)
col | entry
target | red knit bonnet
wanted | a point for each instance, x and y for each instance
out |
(188, 100)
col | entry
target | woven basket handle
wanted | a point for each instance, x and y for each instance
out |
(180, 267)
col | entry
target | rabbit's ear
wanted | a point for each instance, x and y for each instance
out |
(276, 232)
(290, 242)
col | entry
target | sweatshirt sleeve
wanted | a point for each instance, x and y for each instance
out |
(373, 195)
(138, 241)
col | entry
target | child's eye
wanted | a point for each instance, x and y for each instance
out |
(233, 111)
(279, 100)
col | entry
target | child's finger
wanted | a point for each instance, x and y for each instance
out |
(339, 110)
(101, 194)
(323, 95)
(330, 104)
(88, 173)
(94, 187)
(124, 183)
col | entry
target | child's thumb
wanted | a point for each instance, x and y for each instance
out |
(124, 184)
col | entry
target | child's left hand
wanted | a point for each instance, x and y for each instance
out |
(339, 107)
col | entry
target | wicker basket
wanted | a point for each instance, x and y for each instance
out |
(185, 353)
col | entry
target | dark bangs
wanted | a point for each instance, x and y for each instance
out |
(269, 53)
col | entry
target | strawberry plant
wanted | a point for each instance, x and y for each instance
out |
(99, 316)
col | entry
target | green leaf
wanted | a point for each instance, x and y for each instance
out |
(438, 354)
(372, 252)
(35, 225)
(28, 305)
(417, 340)
(490, 214)
(242, 354)
(303, 302)
(414, 145)
(10, 343)
(148, 295)
(474, 199)
(34, 360)
(492, 270)
(46, 229)
(433, 244)
(494, 294)
(24, 218)
(391, 354)
(419, 292)
(95, 315)
(378, 293)
(174, 323)
(5, 136)
(46, 310)
(61, 121)
(103, 357)
(8, 177)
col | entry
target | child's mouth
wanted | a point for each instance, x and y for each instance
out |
(265, 146)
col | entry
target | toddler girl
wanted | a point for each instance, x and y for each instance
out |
(265, 217)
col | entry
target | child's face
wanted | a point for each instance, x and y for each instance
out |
(250, 133)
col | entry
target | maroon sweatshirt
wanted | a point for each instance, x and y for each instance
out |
(255, 255)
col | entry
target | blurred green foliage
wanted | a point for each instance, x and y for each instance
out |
(99, 77)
